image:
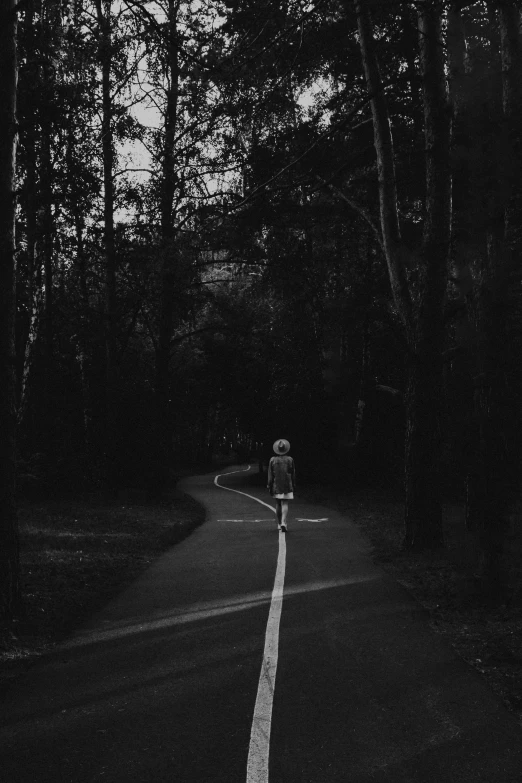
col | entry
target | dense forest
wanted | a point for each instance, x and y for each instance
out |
(226, 222)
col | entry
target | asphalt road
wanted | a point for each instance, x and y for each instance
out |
(161, 685)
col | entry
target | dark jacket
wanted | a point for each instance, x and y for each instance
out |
(281, 475)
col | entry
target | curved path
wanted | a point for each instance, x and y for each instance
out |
(162, 685)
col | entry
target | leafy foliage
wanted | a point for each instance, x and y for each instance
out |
(269, 291)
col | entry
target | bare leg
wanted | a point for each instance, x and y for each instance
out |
(284, 512)
(278, 511)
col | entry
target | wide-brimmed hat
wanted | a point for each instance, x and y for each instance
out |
(281, 446)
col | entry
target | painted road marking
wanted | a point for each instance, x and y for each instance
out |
(323, 519)
(244, 520)
(231, 520)
(229, 489)
(259, 748)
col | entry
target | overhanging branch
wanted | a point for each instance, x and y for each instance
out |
(360, 210)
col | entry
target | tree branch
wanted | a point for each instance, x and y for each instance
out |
(395, 250)
(209, 328)
(369, 98)
(364, 214)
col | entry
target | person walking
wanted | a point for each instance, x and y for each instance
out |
(281, 480)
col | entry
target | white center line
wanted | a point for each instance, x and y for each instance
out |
(259, 749)
(229, 489)
(322, 519)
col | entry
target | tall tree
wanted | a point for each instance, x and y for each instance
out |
(105, 52)
(421, 308)
(181, 48)
(28, 89)
(50, 33)
(495, 297)
(168, 188)
(9, 546)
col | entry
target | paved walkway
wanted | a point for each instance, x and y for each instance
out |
(161, 685)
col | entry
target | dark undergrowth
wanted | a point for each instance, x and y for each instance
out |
(77, 553)
(447, 582)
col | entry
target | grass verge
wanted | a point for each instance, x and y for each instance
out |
(76, 554)
(486, 635)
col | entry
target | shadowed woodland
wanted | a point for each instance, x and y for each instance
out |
(227, 222)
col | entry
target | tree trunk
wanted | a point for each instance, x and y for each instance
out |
(394, 249)
(423, 511)
(423, 319)
(30, 327)
(461, 142)
(494, 476)
(108, 430)
(47, 229)
(511, 60)
(423, 518)
(9, 546)
(168, 270)
(367, 381)
(84, 344)
(491, 404)
(463, 252)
